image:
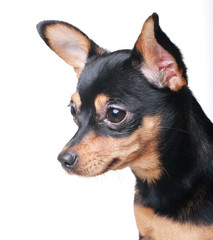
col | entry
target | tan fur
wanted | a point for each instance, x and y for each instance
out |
(98, 154)
(156, 227)
(100, 103)
(148, 167)
(77, 101)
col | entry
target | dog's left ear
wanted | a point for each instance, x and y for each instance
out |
(72, 45)
(161, 61)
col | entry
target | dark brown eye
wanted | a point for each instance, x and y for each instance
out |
(73, 111)
(115, 115)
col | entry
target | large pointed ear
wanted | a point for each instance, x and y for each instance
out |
(161, 61)
(72, 45)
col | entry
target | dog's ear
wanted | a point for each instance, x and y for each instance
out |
(160, 60)
(72, 45)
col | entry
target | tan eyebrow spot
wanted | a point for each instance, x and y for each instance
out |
(77, 100)
(100, 102)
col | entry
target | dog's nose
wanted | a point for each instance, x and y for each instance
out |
(67, 159)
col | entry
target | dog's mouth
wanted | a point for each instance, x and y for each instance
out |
(94, 168)
(117, 164)
(112, 165)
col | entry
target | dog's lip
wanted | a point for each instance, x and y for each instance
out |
(113, 163)
(111, 166)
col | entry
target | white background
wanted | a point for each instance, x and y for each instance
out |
(38, 200)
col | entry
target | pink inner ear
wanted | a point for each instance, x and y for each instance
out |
(166, 65)
(164, 59)
(162, 70)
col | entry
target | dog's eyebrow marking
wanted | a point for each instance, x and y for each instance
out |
(100, 102)
(77, 100)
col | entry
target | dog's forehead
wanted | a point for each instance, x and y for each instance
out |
(102, 73)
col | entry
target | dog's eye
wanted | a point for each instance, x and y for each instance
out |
(115, 115)
(72, 109)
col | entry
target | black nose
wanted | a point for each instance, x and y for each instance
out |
(67, 160)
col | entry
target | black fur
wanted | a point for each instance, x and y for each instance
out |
(186, 144)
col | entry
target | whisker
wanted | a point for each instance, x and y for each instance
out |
(164, 169)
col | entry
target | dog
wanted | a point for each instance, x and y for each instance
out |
(134, 109)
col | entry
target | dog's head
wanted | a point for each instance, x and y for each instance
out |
(121, 100)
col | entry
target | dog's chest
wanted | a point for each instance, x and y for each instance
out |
(154, 227)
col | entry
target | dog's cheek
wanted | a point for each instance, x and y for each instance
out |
(140, 150)
(147, 166)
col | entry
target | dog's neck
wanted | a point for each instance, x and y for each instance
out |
(186, 143)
